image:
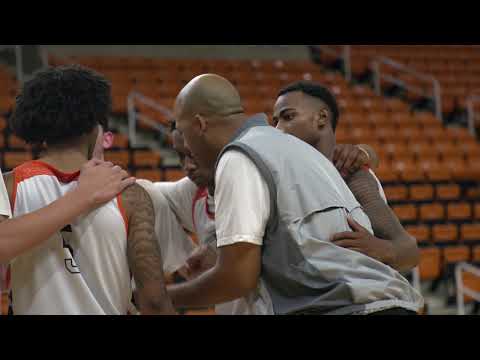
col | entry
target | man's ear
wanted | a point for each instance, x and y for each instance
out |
(321, 119)
(201, 123)
(108, 139)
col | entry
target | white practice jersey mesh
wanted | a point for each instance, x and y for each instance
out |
(82, 270)
(203, 209)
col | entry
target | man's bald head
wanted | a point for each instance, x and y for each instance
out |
(208, 112)
(209, 95)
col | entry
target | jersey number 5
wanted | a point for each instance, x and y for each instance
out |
(70, 264)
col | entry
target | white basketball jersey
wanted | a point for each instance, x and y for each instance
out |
(203, 211)
(203, 215)
(82, 270)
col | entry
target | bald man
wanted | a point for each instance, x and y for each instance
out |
(274, 228)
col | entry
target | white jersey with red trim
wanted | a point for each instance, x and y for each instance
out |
(82, 270)
(203, 213)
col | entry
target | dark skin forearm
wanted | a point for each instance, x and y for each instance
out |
(209, 289)
(404, 254)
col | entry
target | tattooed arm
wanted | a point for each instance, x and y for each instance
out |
(399, 249)
(144, 254)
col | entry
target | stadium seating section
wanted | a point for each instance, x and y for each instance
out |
(456, 67)
(430, 173)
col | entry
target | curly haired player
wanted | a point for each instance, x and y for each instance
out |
(86, 267)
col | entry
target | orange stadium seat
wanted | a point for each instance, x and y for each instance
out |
(120, 142)
(343, 136)
(456, 254)
(412, 135)
(3, 123)
(396, 193)
(425, 150)
(459, 134)
(476, 254)
(395, 105)
(152, 175)
(430, 265)
(470, 149)
(420, 232)
(387, 134)
(477, 211)
(146, 159)
(447, 149)
(398, 150)
(172, 175)
(409, 172)
(13, 159)
(432, 212)
(436, 134)
(470, 233)
(406, 213)
(386, 173)
(6, 104)
(16, 143)
(459, 212)
(120, 158)
(427, 119)
(421, 193)
(472, 282)
(448, 192)
(445, 233)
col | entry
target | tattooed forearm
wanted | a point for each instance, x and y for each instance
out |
(144, 253)
(384, 221)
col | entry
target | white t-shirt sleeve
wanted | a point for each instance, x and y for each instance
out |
(5, 209)
(380, 187)
(242, 201)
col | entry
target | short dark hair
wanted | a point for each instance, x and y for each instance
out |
(318, 91)
(61, 103)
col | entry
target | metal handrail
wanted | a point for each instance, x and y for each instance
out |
(461, 289)
(416, 282)
(378, 76)
(471, 100)
(134, 116)
(345, 55)
(17, 49)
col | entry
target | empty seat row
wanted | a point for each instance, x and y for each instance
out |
(437, 212)
(433, 260)
(423, 193)
(443, 234)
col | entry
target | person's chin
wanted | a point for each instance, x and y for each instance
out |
(196, 181)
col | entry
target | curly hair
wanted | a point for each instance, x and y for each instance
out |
(61, 103)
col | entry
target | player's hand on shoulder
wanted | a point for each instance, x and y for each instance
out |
(348, 159)
(361, 240)
(101, 181)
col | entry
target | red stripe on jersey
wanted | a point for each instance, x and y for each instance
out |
(36, 168)
(209, 214)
